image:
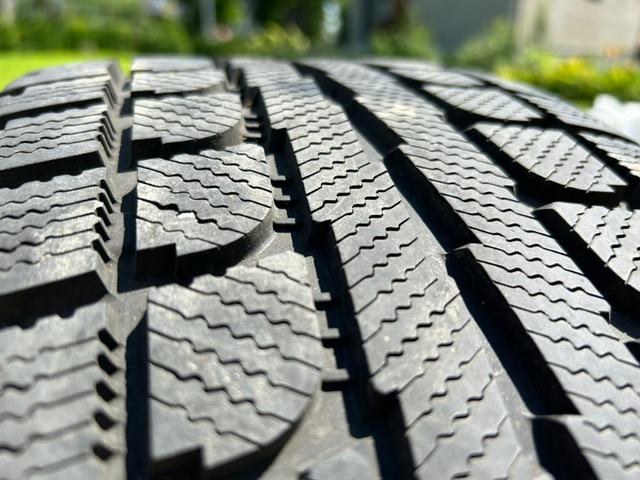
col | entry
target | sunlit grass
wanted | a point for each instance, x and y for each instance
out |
(14, 64)
(577, 79)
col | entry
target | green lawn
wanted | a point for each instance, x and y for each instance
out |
(14, 64)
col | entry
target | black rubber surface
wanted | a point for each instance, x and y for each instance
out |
(319, 270)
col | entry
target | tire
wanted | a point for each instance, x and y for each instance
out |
(318, 270)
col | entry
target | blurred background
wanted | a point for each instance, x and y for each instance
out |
(576, 48)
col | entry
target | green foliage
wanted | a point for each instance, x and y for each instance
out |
(113, 35)
(9, 38)
(306, 14)
(161, 35)
(91, 25)
(493, 46)
(577, 79)
(408, 40)
(108, 10)
(284, 27)
(33, 10)
(121, 25)
(278, 41)
(272, 40)
(229, 12)
(75, 32)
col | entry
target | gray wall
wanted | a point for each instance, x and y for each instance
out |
(571, 27)
(582, 27)
(454, 21)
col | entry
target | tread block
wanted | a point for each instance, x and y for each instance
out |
(378, 248)
(38, 98)
(594, 442)
(389, 63)
(206, 80)
(236, 355)
(590, 364)
(201, 206)
(460, 430)
(69, 71)
(62, 409)
(354, 462)
(502, 83)
(555, 160)
(434, 75)
(321, 142)
(234, 361)
(54, 236)
(294, 102)
(624, 155)
(566, 113)
(49, 143)
(369, 87)
(408, 311)
(608, 240)
(484, 102)
(169, 63)
(265, 72)
(525, 273)
(166, 125)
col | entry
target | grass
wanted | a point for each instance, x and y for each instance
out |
(14, 64)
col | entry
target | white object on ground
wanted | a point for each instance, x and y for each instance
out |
(623, 116)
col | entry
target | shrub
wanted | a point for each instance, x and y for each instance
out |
(408, 40)
(577, 79)
(78, 33)
(493, 46)
(273, 40)
(160, 35)
(9, 36)
(278, 41)
(114, 36)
